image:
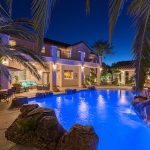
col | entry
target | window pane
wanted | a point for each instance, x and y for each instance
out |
(58, 53)
(68, 74)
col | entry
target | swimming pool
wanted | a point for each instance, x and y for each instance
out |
(108, 111)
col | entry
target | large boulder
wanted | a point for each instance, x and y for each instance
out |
(79, 138)
(49, 132)
(39, 127)
(25, 109)
(142, 108)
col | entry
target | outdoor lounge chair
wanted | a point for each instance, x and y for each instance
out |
(92, 88)
(70, 91)
(7, 95)
(43, 87)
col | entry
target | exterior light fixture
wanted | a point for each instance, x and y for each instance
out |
(82, 68)
(54, 66)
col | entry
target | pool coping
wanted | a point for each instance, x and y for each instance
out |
(83, 89)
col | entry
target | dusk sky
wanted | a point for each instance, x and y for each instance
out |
(70, 24)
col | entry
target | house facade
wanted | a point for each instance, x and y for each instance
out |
(68, 64)
(124, 72)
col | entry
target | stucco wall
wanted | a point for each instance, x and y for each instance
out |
(70, 82)
(80, 47)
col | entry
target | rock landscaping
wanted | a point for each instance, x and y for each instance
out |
(39, 127)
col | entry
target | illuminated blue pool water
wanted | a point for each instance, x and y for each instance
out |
(108, 111)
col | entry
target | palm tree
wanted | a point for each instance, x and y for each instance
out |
(102, 48)
(140, 11)
(26, 30)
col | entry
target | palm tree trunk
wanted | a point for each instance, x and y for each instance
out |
(100, 69)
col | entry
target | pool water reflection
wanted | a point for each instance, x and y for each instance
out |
(108, 111)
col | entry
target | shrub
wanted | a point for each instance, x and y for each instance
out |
(27, 124)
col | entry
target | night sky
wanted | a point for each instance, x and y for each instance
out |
(70, 24)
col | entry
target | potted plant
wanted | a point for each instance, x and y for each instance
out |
(16, 82)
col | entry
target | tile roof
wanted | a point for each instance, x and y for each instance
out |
(124, 65)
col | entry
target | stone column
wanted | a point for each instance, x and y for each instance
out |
(53, 67)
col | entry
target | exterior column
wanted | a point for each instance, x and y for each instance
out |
(122, 77)
(52, 76)
(61, 75)
(54, 53)
(5, 39)
(53, 67)
(81, 70)
(81, 76)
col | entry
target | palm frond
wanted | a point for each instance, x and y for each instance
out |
(15, 55)
(4, 70)
(141, 47)
(9, 6)
(32, 54)
(18, 31)
(114, 10)
(102, 47)
(88, 6)
(4, 13)
(41, 16)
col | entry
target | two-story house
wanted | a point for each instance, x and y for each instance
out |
(68, 64)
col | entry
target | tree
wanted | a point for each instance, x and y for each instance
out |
(102, 48)
(106, 74)
(91, 79)
(140, 11)
(24, 29)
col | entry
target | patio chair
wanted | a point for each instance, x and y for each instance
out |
(9, 94)
(3, 96)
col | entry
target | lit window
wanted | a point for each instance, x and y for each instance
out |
(58, 53)
(12, 42)
(69, 54)
(68, 74)
(43, 49)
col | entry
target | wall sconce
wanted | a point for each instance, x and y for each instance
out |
(54, 66)
(40, 72)
(82, 68)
